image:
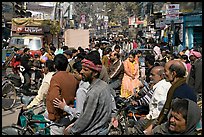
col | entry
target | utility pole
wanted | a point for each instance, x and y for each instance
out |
(70, 10)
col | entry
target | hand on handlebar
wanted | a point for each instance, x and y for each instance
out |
(134, 103)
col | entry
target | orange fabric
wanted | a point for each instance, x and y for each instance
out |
(129, 84)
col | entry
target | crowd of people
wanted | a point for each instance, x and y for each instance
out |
(79, 87)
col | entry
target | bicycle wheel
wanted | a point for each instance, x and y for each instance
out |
(8, 96)
(10, 130)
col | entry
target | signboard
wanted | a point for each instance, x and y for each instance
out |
(22, 29)
(139, 21)
(160, 23)
(71, 37)
(106, 18)
(179, 20)
(172, 11)
(131, 20)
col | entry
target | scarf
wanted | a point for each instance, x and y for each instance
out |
(164, 112)
(193, 117)
(91, 65)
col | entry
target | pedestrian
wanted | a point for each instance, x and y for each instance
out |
(51, 52)
(183, 119)
(96, 114)
(130, 79)
(43, 56)
(49, 70)
(68, 54)
(26, 63)
(184, 58)
(115, 71)
(62, 85)
(149, 64)
(106, 58)
(157, 101)
(80, 95)
(194, 79)
(157, 52)
(104, 74)
(174, 73)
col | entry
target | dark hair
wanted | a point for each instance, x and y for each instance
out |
(80, 49)
(132, 53)
(74, 50)
(94, 56)
(42, 49)
(138, 52)
(18, 57)
(60, 62)
(77, 66)
(97, 45)
(25, 50)
(64, 48)
(81, 56)
(50, 65)
(180, 71)
(185, 57)
(52, 48)
(107, 50)
(150, 59)
(117, 47)
(180, 106)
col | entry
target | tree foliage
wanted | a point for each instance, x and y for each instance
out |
(117, 12)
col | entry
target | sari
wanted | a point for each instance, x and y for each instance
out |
(129, 84)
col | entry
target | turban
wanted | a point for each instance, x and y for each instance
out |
(91, 65)
(195, 53)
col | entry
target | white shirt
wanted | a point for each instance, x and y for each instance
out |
(158, 98)
(80, 99)
(42, 90)
(157, 52)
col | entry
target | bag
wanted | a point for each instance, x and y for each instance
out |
(35, 126)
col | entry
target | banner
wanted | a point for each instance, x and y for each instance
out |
(131, 20)
(172, 11)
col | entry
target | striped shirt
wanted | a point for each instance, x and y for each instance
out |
(144, 101)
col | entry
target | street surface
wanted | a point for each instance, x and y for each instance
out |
(10, 117)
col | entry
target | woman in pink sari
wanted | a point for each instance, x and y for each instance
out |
(130, 79)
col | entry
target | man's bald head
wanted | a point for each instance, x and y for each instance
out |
(177, 66)
(159, 70)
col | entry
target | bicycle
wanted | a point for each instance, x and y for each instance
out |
(11, 90)
(126, 117)
(9, 94)
(31, 126)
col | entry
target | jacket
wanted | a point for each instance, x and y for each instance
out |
(62, 85)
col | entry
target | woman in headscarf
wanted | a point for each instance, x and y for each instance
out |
(130, 79)
(183, 119)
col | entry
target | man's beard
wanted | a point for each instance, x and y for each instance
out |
(86, 79)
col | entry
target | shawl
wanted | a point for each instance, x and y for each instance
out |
(164, 112)
(193, 117)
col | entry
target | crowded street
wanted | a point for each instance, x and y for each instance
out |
(102, 68)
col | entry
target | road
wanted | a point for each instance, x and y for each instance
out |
(11, 116)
